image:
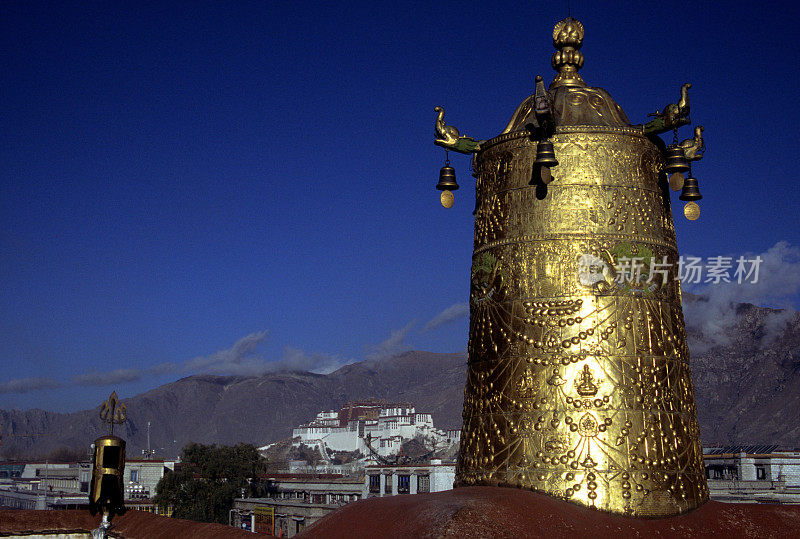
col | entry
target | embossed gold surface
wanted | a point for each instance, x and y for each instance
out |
(579, 386)
(578, 379)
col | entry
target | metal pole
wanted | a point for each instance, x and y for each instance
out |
(46, 473)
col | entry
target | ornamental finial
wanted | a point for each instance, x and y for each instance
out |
(567, 60)
(113, 412)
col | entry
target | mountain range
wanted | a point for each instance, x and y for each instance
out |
(258, 410)
(747, 386)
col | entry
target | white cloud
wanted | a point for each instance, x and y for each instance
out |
(97, 378)
(239, 359)
(711, 316)
(453, 312)
(24, 385)
(295, 359)
(393, 345)
(243, 359)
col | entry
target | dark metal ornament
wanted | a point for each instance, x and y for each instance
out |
(545, 155)
(447, 178)
(675, 160)
(691, 189)
(545, 160)
(107, 489)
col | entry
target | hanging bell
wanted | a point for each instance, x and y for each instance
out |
(545, 160)
(691, 189)
(545, 156)
(447, 178)
(675, 160)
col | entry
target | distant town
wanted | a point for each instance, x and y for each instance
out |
(367, 448)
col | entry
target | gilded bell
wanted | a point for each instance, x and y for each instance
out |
(447, 178)
(675, 160)
(545, 155)
(691, 190)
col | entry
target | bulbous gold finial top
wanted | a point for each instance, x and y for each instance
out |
(567, 60)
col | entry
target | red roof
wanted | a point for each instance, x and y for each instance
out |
(473, 512)
(131, 525)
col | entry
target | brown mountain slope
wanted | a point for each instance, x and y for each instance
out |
(747, 390)
(259, 410)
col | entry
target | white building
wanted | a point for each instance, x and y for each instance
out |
(293, 503)
(141, 477)
(382, 481)
(763, 474)
(43, 485)
(385, 426)
(42, 469)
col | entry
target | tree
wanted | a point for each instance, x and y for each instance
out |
(203, 486)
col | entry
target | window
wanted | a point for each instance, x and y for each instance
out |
(388, 485)
(135, 476)
(761, 472)
(375, 484)
(403, 484)
(423, 483)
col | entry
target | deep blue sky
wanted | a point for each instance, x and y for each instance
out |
(176, 178)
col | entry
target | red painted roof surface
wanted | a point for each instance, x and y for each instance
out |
(131, 525)
(494, 512)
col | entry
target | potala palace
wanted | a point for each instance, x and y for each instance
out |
(371, 427)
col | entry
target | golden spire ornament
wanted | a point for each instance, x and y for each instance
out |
(567, 60)
(578, 380)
